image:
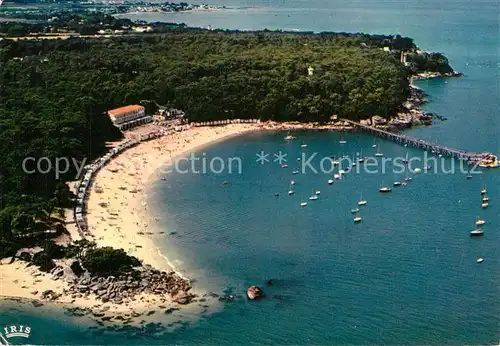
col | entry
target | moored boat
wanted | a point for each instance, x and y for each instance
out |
(357, 219)
(476, 232)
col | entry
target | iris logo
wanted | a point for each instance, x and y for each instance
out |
(13, 332)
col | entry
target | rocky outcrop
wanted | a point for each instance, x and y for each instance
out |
(121, 289)
(253, 293)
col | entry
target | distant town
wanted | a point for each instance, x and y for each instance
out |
(44, 10)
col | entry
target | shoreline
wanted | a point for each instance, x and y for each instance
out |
(123, 223)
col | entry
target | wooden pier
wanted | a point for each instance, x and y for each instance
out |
(419, 143)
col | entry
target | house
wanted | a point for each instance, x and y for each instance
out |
(129, 116)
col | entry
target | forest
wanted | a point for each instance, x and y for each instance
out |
(54, 95)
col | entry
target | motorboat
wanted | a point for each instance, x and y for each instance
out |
(357, 219)
(385, 189)
(330, 181)
(355, 210)
(289, 137)
(480, 260)
(303, 204)
(396, 183)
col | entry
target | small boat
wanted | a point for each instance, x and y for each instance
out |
(295, 172)
(289, 137)
(276, 195)
(342, 171)
(374, 145)
(303, 146)
(417, 170)
(292, 182)
(291, 192)
(480, 222)
(362, 202)
(225, 182)
(405, 160)
(336, 176)
(485, 198)
(426, 168)
(303, 204)
(480, 260)
(484, 205)
(318, 192)
(355, 210)
(330, 181)
(361, 160)
(342, 140)
(397, 183)
(469, 177)
(404, 183)
(378, 153)
(313, 197)
(477, 232)
(336, 162)
(354, 164)
(357, 219)
(284, 166)
(298, 159)
(385, 189)
(483, 191)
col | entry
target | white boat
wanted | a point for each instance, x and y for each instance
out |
(303, 146)
(330, 181)
(292, 182)
(355, 210)
(318, 192)
(476, 232)
(485, 198)
(313, 197)
(417, 170)
(385, 189)
(396, 183)
(484, 205)
(480, 222)
(483, 191)
(480, 260)
(361, 160)
(426, 168)
(374, 145)
(289, 137)
(362, 202)
(295, 172)
(336, 162)
(291, 192)
(378, 153)
(303, 204)
(284, 166)
(341, 171)
(298, 159)
(357, 219)
(354, 164)
(342, 140)
(336, 176)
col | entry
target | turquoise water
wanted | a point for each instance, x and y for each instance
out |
(406, 274)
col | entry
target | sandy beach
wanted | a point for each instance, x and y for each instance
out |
(118, 216)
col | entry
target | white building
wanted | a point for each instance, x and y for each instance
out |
(128, 116)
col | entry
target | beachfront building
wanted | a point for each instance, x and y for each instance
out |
(129, 116)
